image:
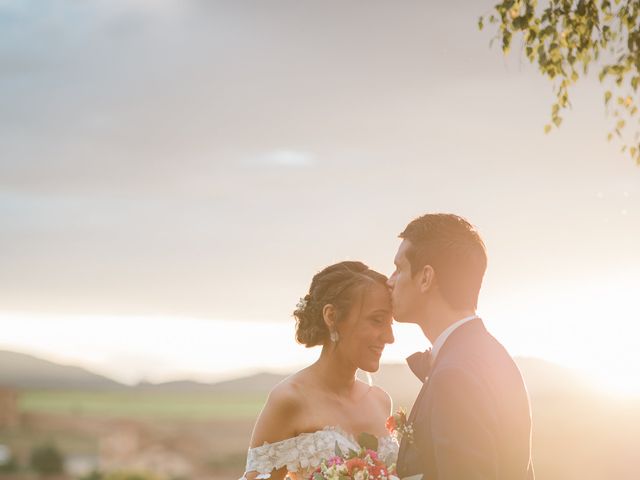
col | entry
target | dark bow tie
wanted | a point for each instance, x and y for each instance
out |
(420, 364)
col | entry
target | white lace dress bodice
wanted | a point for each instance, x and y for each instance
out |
(303, 453)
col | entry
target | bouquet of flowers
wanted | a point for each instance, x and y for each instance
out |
(363, 464)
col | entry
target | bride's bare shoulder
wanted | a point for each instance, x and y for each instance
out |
(382, 397)
(279, 417)
(289, 392)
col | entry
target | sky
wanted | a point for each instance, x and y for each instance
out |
(173, 173)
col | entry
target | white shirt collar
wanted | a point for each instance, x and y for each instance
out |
(437, 345)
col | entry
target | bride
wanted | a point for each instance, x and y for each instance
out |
(348, 312)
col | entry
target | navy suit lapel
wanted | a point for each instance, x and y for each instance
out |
(420, 402)
(449, 343)
(412, 415)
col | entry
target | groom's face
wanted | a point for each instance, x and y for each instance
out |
(405, 294)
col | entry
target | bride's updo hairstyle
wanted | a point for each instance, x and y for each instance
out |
(339, 285)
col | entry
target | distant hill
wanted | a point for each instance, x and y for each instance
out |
(174, 386)
(23, 371)
(258, 383)
(542, 378)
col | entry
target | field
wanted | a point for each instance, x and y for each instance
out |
(213, 428)
(576, 436)
(145, 405)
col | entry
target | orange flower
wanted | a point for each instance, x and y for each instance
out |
(391, 424)
(355, 464)
(378, 471)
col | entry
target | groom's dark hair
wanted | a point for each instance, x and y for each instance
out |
(455, 251)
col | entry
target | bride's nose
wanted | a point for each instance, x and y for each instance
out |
(388, 335)
(390, 281)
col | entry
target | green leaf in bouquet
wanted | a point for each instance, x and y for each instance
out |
(352, 454)
(317, 476)
(369, 441)
(337, 450)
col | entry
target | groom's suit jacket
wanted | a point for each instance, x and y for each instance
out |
(472, 418)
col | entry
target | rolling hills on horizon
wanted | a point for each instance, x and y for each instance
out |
(23, 371)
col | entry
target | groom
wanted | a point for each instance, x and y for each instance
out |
(471, 419)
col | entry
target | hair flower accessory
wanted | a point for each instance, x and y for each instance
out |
(302, 304)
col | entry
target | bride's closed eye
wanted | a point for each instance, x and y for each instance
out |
(381, 318)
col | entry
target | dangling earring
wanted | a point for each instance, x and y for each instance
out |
(334, 336)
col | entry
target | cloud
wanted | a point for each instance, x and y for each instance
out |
(161, 156)
(287, 158)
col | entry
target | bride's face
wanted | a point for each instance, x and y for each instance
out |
(366, 331)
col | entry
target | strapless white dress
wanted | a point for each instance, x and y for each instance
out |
(303, 453)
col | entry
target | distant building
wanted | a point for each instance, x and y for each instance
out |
(5, 454)
(129, 447)
(80, 465)
(9, 414)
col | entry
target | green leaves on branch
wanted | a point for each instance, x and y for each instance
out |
(566, 37)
